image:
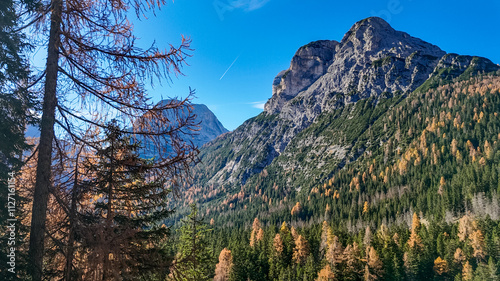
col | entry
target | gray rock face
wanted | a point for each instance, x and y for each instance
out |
(210, 126)
(372, 59)
(309, 63)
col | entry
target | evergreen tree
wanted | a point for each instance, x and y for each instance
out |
(16, 109)
(121, 229)
(193, 262)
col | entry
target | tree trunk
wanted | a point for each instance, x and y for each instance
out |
(43, 171)
(72, 217)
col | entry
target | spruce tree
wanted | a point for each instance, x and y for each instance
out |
(121, 229)
(194, 259)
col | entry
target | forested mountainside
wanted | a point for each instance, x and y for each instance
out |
(315, 132)
(394, 178)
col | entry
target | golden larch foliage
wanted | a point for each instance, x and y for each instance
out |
(278, 244)
(459, 256)
(296, 209)
(260, 235)
(301, 250)
(374, 266)
(467, 271)
(326, 237)
(477, 243)
(395, 238)
(415, 223)
(366, 207)
(442, 184)
(352, 256)
(223, 268)
(284, 228)
(334, 254)
(326, 274)
(295, 235)
(255, 232)
(440, 266)
(415, 241)
(465, 227)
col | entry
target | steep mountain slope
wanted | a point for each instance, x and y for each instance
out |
(338, 106)
(372, 60)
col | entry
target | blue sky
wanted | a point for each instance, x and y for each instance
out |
(258, 38)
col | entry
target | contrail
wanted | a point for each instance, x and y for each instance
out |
(229, 67)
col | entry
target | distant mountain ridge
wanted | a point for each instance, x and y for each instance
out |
(209, 126)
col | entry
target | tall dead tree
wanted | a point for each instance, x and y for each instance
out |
(95, 72)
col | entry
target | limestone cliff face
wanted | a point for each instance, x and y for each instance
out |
(372, 60)
(309, 63)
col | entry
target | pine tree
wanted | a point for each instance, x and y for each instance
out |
(15, 105)
(193, 262)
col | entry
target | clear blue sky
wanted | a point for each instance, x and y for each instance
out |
(263, 35)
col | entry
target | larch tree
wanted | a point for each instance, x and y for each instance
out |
(335, 255)
(254, 236)
(374, 266)
(326, 238)
(459, 256)
(440, 266)
(326, 274)
(467, 271)
(95, 72)
(301, 250)
(353, 265)
(224, 267)
(478, 245)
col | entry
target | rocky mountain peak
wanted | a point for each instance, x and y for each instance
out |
(372, 58)
(209, 126)
(374, 35)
